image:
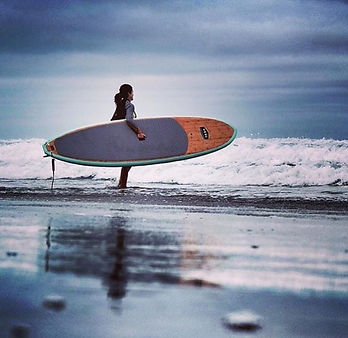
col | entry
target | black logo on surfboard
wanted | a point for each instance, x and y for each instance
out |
(204, 133)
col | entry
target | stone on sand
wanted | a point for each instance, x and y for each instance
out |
(244, 320)
(54, 302)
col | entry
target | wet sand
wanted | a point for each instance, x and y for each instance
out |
(110, 269)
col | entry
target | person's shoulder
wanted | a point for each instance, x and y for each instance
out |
(128, 104)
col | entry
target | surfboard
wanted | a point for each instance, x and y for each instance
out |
(114, 144)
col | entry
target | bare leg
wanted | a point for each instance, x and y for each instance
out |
(123, 177)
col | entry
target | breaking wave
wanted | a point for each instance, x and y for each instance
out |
(247, 161)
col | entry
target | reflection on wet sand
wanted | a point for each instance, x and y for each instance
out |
(48, 245)
(78, 263)
(118, 278)
(117, 253)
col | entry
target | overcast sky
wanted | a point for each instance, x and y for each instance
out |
(270, 68)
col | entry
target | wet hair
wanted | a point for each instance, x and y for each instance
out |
(122, 95)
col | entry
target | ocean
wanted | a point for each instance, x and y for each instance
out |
(280, 172)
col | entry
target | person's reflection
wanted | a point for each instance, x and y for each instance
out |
(118, 278)
(118, 252)
(93, 250)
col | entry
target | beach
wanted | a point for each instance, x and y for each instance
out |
(121, 267)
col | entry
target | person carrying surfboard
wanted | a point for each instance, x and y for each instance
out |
(126, 110)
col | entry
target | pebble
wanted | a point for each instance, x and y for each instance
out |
(54, 302)
(255, 246)
(244, 320)
(20, 330)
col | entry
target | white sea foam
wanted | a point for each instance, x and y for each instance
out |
(290, 161)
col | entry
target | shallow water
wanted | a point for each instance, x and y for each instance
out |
(264, 200)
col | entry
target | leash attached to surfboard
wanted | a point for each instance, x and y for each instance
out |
(53, 165)
(53, 171)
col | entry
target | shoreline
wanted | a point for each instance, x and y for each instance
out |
(273, 205)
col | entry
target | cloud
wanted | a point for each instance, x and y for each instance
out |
(207, 27)
(252, 60)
